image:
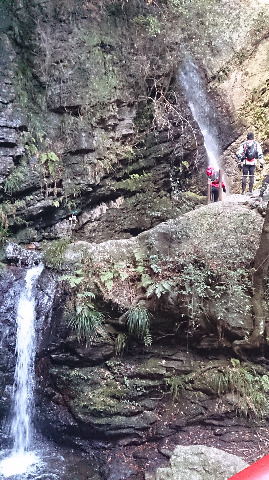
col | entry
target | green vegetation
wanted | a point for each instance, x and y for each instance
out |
(53, 254)
(136, 182)
(14, 181)
(86, 322)
(121, 344)
(159, 288)
(200, 282)
(177, 385)
(107, 278)
(50, 162)
(34, 165)
(4, 234)
(150, 23)
(248, 388)
(75, 279)
(240, 383)
(138, 323)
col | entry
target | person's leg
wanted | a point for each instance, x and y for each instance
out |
(251, 177)
(244, 178)
(215, 193)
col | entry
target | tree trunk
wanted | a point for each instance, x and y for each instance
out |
(261, 263)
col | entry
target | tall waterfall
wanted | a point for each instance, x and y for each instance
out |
(201, 109)
(23, 390)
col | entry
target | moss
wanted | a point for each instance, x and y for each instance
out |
(144, 117)
(136, 182)
(106, 397)
(25, 235)
(53, 254)
(105, 77)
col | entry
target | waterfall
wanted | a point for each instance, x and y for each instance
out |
(201, 109)
(23, 390)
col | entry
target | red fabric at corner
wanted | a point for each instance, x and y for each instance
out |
(257, 471)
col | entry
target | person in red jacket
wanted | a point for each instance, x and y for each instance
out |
(214, 184)
(215, 189)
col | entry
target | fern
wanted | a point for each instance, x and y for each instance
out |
(86, 321)
(177, 385)
(51, 161)
(107, 278)
(15, 179)
(138, 323)
(146, 280)
(159, 288)
(73, 280)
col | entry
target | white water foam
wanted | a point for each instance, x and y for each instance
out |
(17, 464)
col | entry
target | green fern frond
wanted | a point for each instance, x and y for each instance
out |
(138, 323)
(86, 322)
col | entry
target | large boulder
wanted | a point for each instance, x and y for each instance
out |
(196, 266)
(198, 462)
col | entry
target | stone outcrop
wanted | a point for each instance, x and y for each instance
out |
(200, 463)
(218, 239)
(75, 136)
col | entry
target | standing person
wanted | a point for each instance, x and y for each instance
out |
(214, 184)
(247, 155)
(215, 189)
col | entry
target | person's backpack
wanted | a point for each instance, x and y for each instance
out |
(214, 176)
(250, 150)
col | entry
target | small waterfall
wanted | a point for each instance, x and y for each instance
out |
(201, 109)
(23, 391)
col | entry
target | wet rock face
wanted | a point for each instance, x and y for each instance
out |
(12, 118)
(82, 115)
(22, 256)
(141, 406)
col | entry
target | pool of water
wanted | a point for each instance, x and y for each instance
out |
(48, 462)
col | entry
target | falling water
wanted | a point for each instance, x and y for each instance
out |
(21, 457)
(33, 456)
(201, 109)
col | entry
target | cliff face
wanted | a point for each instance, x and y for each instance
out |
(98, 143)
(94, 120)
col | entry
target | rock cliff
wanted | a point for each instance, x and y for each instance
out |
(93, 117)
(102, 171)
